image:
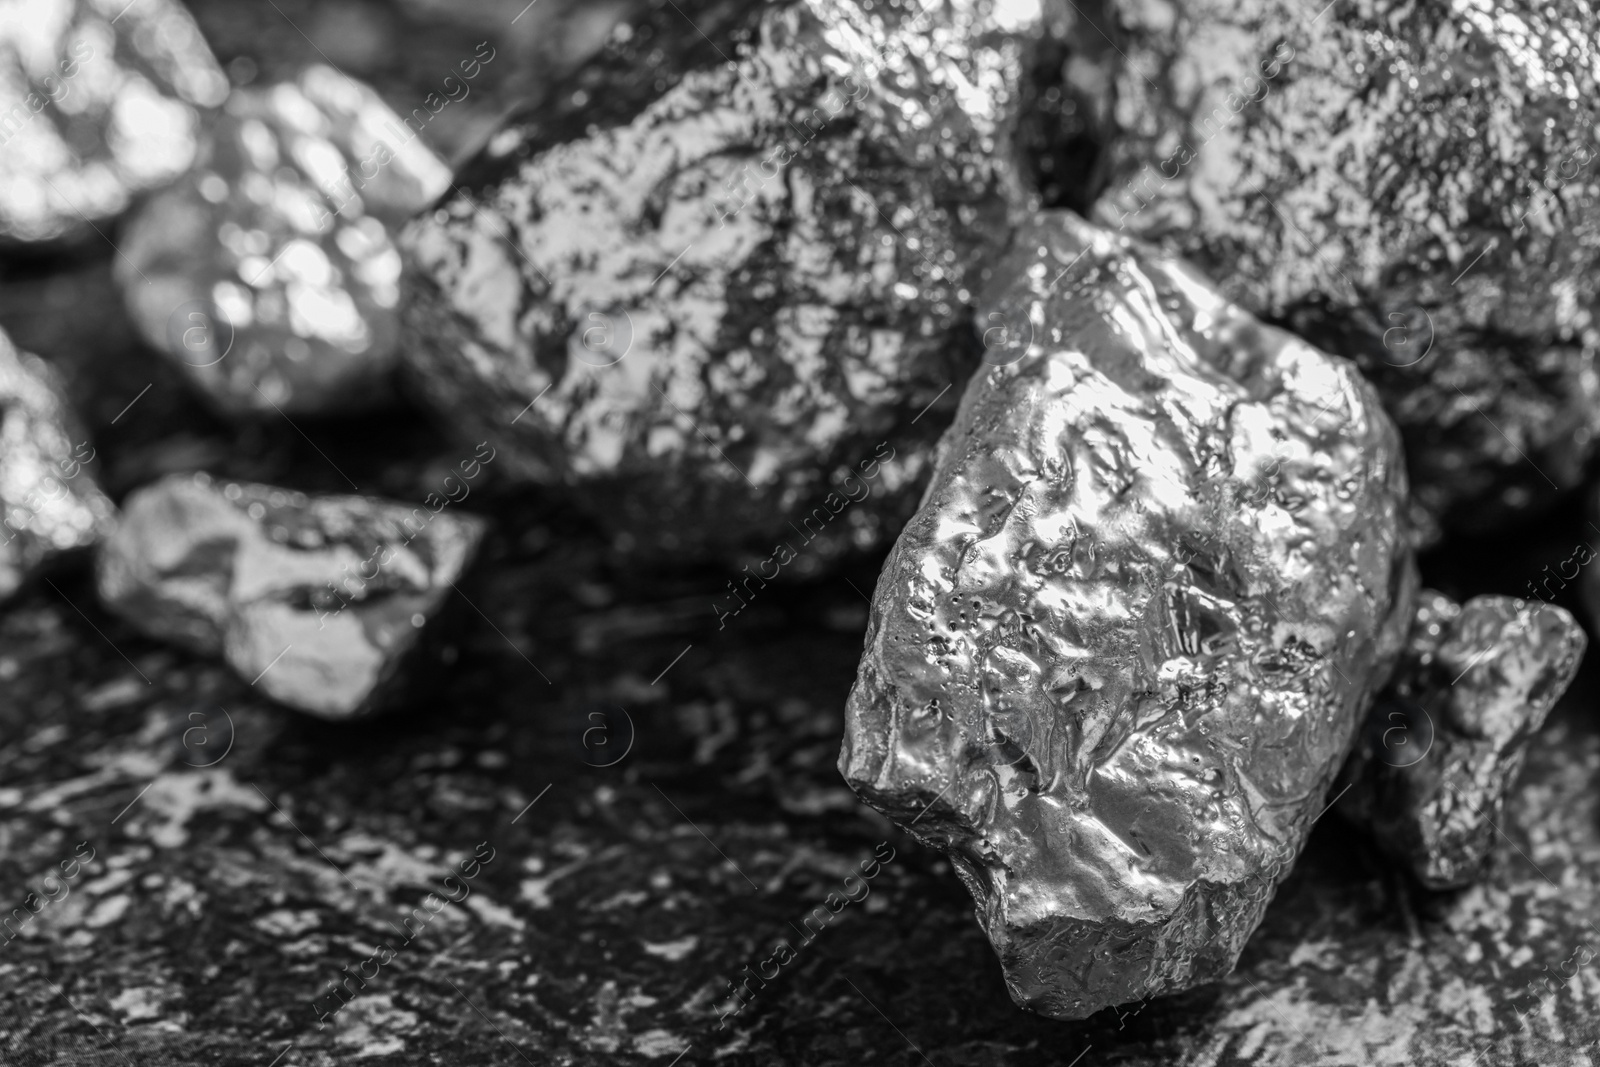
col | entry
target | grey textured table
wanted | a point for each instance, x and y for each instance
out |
(222, 900)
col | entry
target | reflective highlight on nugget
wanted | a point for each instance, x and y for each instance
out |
(268, 273)
(49, 501)
(100, 101)
(316, 601)
(1119, 654)
(1411, 186)
(707, 281)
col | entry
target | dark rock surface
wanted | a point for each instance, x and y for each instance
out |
(1447, 738)
(1411, 186)
(607, 928)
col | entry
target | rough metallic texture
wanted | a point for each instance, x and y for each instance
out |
(1445, 741)
(1352, 965)
(268, 272)
(713, 277)
(317, 600)
(49, 501)
(1411, 186)
(1125, 645)
(465, 64)
(99, 103)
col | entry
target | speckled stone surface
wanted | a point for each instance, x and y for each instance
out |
(608, 926)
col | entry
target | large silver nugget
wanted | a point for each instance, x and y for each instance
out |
(49, 501)
(1119, 654)
(1445, 741)
(1412, 186)
(316, 599)
(708, 297)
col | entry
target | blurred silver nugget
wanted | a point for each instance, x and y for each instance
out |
(315, 599)
(100, 101)
(268, 273)
(1445, 741)
(49, 500)
(1123, 648)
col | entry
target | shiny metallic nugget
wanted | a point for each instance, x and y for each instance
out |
(1123, 648)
